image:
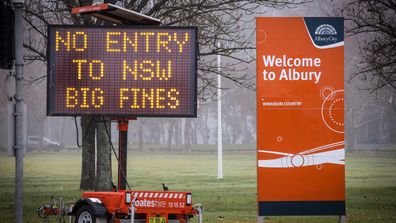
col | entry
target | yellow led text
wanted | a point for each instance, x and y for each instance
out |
(95, 71)
(84, 97)
(111, 41)
(155, 98)
(163, 42)
(77, 41)
(117, 42)
(182, 42)
(146, 70)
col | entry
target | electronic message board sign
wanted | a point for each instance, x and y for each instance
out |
(300, 116)
(122, 71)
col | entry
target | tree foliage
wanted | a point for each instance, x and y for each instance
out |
(377, 21)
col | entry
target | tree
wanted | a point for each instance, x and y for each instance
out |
(219, 30)
(373, 24)
(377, 21)
(88, 170)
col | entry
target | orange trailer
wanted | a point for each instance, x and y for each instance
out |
(130, 206)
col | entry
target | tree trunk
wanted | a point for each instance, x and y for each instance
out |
(183, 127)
(177, 134)
(140, 134)
(103, 173)
(193, 130)
(61, 133)
(42, 124)
(205, 128)
(170, 135)
(88, 125)
(187, 135)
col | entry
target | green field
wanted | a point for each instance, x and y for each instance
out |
(371, 183)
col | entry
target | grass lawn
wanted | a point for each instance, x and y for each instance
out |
(371, 184)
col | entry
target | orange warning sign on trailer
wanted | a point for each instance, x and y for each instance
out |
(300, 116)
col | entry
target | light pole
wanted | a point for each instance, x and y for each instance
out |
(19, 111)
(219, 123)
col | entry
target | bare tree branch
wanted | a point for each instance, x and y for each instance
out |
(377, 21)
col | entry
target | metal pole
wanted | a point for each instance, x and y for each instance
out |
(122, 153)
(219, 126)
(133, 210)
(19, 140)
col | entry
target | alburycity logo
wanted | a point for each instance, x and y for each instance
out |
(326, 33)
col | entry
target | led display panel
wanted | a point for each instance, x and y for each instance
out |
(122, 71)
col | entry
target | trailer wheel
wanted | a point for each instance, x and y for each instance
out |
(85, 214)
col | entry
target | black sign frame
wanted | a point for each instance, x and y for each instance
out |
(51, 73)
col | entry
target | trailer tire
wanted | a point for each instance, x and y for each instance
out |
(85, 214)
